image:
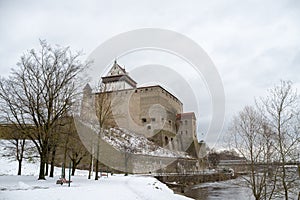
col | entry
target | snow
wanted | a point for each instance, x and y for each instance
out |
(121, 139)
(117, 187)
(114, 187)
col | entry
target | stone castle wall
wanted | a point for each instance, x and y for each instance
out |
(153, 113)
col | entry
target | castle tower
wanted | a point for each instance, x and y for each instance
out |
(186, 130)
(87, 105)
(118, 79)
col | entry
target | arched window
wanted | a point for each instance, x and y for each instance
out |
(166, 140)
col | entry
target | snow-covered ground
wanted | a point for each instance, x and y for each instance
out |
(117, 187)
(138, 144)
(119, 138)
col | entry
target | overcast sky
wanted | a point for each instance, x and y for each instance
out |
(253, 44)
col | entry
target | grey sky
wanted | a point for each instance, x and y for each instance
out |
(253, 44)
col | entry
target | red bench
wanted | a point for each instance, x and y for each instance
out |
(62, 181)
(104, 174)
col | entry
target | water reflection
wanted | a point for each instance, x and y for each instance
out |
(230, 189)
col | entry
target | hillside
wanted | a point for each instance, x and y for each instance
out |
(137, 144)
(122, 139)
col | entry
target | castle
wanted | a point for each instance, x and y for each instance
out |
(151, 111)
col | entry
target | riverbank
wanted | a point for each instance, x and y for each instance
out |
(193, 179)
(181, 183)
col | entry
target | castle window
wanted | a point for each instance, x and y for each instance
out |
(171, 139)
(146, 89)
(144, 120)
(185, 122)
(148, 127)
(186, 132)
(153, 119)
(166, 140)
(181, 132)
(170, 122)
(135, 91)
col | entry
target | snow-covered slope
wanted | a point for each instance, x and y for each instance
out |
(117, 187)
(122, 139)
(137, 144)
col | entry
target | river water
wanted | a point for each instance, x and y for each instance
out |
(224, 190)
(228, 190)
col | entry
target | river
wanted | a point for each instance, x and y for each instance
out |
(219, 190)
(229, 190)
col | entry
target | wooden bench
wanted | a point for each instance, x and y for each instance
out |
(103, 174)
(62, 181)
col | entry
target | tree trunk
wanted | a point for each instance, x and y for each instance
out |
(52, 161)
(97, 160)
(47, 168)
(65, 155)
(20, 154)
(97, 169)
(42, 167)
(19, 167)
(90, 167)
(73, 167)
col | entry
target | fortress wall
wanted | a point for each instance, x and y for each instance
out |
(152, 109)
(186, 132)
(157, 107)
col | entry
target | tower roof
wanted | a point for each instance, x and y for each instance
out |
(116, 74)
(87, 87)
(189, 115)
(116, 69)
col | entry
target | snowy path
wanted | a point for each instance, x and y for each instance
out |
(117, 187)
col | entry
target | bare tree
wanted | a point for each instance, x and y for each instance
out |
(66, 131)
(281, 111)
(70, 144)
(103, 105)
(98, 109)
(76, 152)
(213, 158)
(40, 92)
(250, 139)
(17, 148)
(268, 137)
